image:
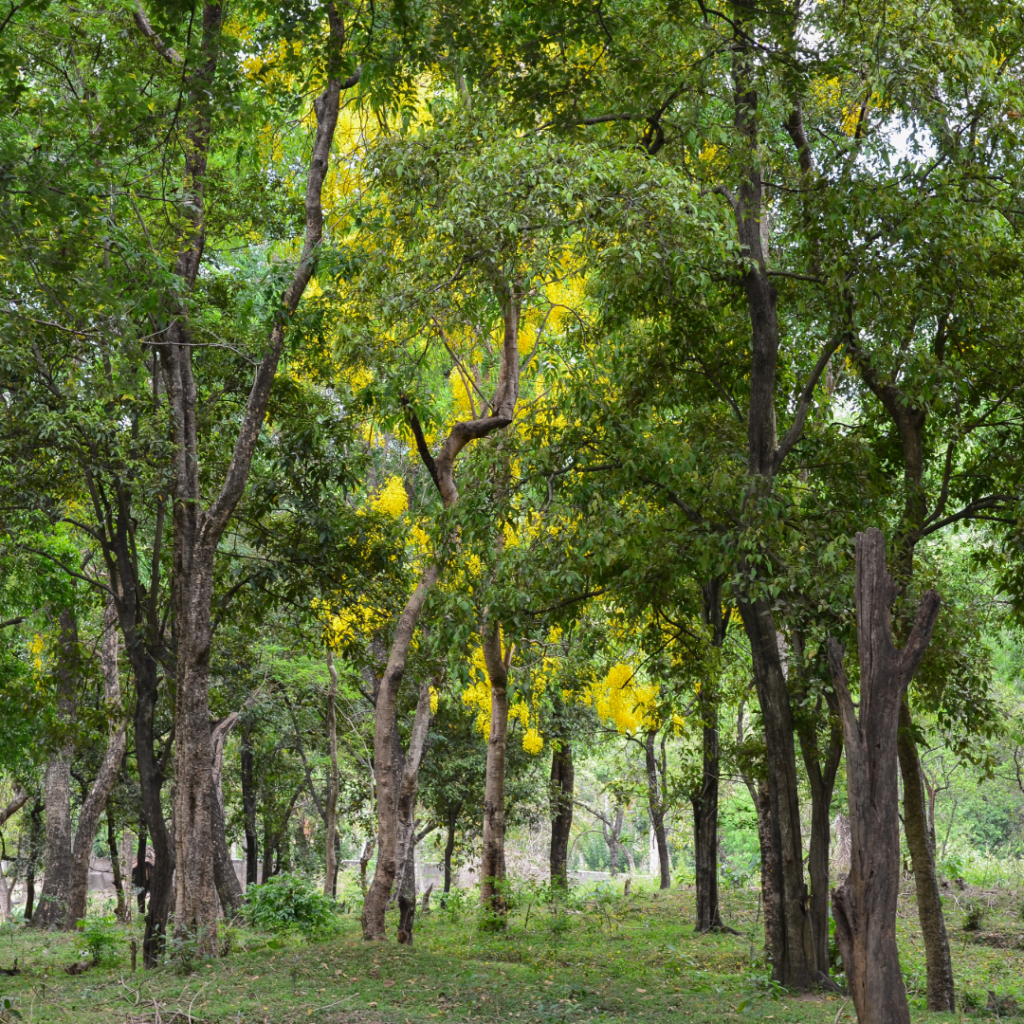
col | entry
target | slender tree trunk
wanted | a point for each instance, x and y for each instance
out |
(817, 869)
(229, 888)
(121, 911)
(268, 850)
(705, 802)
(941, 992)
(793, 956)
(35, 839)
(611, 832)
(657, 811)
(53, 901)
(769, 902)
(331, 816)
(821, 770)
(154, 829)
(449, 846)
(562, 785)
(92, 809)
(864, 906)
(388, 782)
(249, 799)
(492, 860)
(407, 768)
(705, 822)
(88, 821)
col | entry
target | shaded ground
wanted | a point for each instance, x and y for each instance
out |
(604, 958)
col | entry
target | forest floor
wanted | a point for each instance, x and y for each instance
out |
(601, 958)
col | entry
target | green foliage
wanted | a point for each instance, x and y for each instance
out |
(291, 903)
(100, 939)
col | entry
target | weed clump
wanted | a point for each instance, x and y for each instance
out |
(290, 903)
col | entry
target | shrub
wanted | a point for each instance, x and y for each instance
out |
(100, 939)
(291, 903)
(974, 915)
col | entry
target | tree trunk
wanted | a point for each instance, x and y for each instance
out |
(492, 860)
(705, 822)
(268, 849)
(151, 779)
(821, 768)
(121, 910)
(57, 786)
(864, 906)
(197, 530)
(407, 768)
(249, 798)
(657, 812)
(385, 727)
(611, 832)
(58, 856)
(793, 959)
(137, 873)
(792, 937)
(941, 992)
(705, 802)
(442, 472)
(35, 837)
(769, 902)
(92, 809)
(449, 847)
(88, 821)
(331, 816)
(229, 889)
(562, 785)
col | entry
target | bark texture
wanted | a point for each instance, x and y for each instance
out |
(864, 906)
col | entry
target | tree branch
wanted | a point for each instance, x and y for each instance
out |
(804, 404)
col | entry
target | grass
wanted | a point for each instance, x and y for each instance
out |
(600, 957)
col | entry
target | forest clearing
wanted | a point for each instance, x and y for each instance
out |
(511, 509)
(602, 957)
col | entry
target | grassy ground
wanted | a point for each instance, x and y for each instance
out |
(605, 958)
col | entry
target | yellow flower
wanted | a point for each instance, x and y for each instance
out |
(391, 499)
(533, 742)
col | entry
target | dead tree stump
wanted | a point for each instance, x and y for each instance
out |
(864, 906)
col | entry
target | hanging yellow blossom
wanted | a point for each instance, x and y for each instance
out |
(391, 499)
(623, 700)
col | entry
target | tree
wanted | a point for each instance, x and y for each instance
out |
(865, 905)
